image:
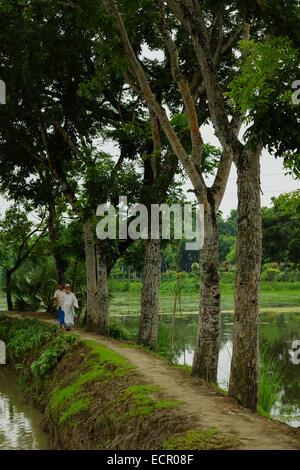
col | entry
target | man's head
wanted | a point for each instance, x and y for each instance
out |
(60, 286)
(67, 288)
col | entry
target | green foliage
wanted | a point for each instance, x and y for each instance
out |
(264, 89)
(189, 282)
(19, 237)
(283, 281)
(3, 331)
(281, 229)
(231, 256)
(270, 380)
(34, 290)
(143, 401)
(265, 68)
(5, 324)
(15, 229)
(27, 335)
(118, 332)
(226, 244)
(228, 230)
(180, 121)
(104, 365)
(50, 357)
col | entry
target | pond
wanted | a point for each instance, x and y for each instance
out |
(278, 330)
(19, 422)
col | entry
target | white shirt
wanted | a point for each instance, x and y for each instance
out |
(57, 296)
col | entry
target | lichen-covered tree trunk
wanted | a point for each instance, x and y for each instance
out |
(205, 363)
(102, 289)
(92, 310)
(149, 304)
(244, 377)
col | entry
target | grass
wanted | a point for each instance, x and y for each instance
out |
(144, 402)
(82, 403)
(270, 381)
(273, 295)
(104, 354)
(70, 400)
(199, 439)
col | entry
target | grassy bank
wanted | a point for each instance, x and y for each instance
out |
(288, 292)
(92, 397)
(126, 297)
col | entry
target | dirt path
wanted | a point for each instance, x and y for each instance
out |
(208, 407)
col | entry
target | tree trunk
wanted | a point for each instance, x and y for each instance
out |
(59, 264)
(92, 307)
(74, 277)
(8, 291)
(149, 302)
(205, 363)
(103, 299)
(244, 376)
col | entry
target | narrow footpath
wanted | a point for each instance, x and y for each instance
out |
(204, 403)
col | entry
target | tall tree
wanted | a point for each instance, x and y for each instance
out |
(50, 127)
(202, 23)
(207, 350)
(19, 237)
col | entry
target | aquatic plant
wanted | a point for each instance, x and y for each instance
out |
(270, 380)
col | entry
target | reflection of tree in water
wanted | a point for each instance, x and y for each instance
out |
(226, 329)
(190, 331)
(188, 323)
(278, 332)
(18, 427)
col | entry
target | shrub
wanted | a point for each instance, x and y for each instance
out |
(118, 332)
(26, 335)
(50, 357)
(34, 290)
(227, 277)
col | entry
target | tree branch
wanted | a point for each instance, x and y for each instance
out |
(151, 100)
(196, 138)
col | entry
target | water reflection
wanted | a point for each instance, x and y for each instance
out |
(277, 331)
(19, 423)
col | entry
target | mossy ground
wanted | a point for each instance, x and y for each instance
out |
(199, 439)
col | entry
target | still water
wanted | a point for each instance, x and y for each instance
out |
(277, 332)
(19, 422)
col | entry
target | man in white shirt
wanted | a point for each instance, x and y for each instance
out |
(68, 304)
(58, 297)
